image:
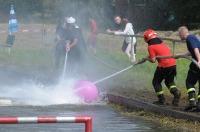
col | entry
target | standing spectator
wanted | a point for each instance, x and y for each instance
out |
(166, 69)
(129, 42)
(118, 24)
(193, 76)
(92, 40)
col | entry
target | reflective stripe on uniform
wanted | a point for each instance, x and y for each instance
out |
(171, 87)
(192, 99)
(159, 93)
(191, 90)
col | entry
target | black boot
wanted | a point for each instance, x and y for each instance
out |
(161, 100)
(177, 96)
(198, 106)
(192, 102)
(191, 106)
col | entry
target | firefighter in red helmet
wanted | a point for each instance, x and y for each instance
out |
(149, 34)
(166, 69)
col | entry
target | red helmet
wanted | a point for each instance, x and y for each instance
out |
(149, 34)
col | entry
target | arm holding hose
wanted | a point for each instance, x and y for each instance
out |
(69, 46)
(142, 60)
(181, 55)
(185, 55)
(147, 58)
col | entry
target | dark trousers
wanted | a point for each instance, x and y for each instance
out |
(75, 62)
(60, 51)
(166, 74)
(193, 77)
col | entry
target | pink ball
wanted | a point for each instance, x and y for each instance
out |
(87, 91)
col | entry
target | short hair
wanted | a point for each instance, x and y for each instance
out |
(182, 28)
(117, 16)
(125, 20)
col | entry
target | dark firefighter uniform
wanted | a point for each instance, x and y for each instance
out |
(193, 75)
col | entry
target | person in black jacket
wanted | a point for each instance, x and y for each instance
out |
(60, 42)
(76, 48)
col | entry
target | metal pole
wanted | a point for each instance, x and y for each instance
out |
(9, 46)
(173, 47)
(87, 121)
(48, 119)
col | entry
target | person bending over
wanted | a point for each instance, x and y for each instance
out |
(166, 69)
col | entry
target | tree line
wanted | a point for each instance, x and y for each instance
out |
(157, 14)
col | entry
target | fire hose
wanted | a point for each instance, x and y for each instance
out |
(173, 56)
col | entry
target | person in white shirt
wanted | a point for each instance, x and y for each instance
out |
(129, 42)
